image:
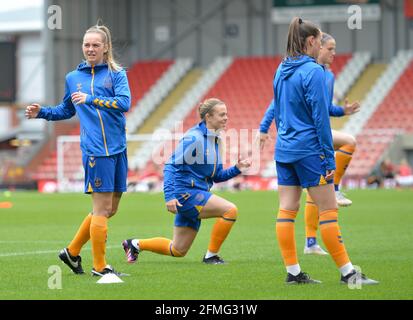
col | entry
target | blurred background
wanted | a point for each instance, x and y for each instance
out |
(177, 53)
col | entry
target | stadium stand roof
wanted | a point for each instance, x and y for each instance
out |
(28, 19)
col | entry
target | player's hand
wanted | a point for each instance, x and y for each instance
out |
(330, 174)
(32, 111)
(79, 97)
(351, 108)
(263, 137)
(171, 205)
(243, 164)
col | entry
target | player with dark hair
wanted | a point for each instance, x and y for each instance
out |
(344, 145)
(304, 151)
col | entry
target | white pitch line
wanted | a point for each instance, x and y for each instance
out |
(16, 254)
(31, 241)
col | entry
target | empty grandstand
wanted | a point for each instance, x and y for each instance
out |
(178, 54)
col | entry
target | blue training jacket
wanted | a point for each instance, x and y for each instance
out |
(196, 163)
(301, 111)
(334, 110)
(102, 119)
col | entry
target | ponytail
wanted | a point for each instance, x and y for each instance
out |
(298, 33)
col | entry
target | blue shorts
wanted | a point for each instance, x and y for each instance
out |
(307, 172)
(192, 202)
(106, 174)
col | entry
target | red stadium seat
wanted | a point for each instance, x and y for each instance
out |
(394, 113)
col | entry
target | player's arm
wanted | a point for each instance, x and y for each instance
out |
(268, 118)
(266, 124)
(317, 100)
(184, 153)
(222, 174)
(168, 183)
(345, 110)
(335, 111)
(63, 111)
(351, 108)
(168, 188)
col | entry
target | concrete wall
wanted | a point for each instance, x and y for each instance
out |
(244, 27)
(30, 69)
(238, 28)
(64, 46)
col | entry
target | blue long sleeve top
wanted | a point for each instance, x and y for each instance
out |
(196, 163)
(102, 119)
(334, 110)
(301, 111)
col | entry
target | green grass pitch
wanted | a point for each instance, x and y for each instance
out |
(377, 231)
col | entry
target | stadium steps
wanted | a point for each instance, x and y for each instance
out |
(165, 107)
(359, 90)
(350, 73)
(378, 92)
(157, 93)
(388, 114)
(143, 75)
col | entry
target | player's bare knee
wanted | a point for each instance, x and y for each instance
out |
(112, 213)
(352, 141)
(335, 207)
(291, 206)
(179, 252)
(231, 214)
(106, 212)
(328, 207)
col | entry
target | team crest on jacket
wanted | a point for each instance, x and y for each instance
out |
(199, 197)
(79, 86)
(108, 82)
(98, 182)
